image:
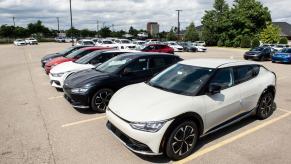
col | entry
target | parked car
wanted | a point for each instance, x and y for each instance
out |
(71, 57)
(283, 56)
(106, 43)
(93, 88)
(158, 48)
(63, 53)
(59, 73)
(259, 53)
(31, 41)
(122, 41)
(188, 47)
(187, 101)
(200, 48)
(19, 42)
(126, 46)
(60, 39)
(85, 42)
(140, 44)
(279, 47)
(200, 43)
(175, 46)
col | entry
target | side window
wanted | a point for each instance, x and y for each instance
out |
(224, 77)
(245, 73)
(157, 62)
(82, 54)
(140, 64)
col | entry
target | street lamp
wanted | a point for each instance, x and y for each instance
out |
(71, 23)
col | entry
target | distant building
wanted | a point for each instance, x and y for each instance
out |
(285, 29)
(153, 28)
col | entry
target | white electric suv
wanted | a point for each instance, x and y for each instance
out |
(59, 73)
(189, 100)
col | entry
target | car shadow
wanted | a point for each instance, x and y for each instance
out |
(86, 111)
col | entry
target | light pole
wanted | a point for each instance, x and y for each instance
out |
(58, 21)
(71, 23)
(178, 30)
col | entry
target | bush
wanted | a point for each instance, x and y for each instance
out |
(245, 42)
(255, 43)
(283, 40)
(228, 43)
(236, 41)
(220, 43)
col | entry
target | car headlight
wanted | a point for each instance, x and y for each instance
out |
(57, 74)
(148, 126)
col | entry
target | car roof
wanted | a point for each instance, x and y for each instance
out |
(140, 54)
(217, 63)
(94, 48)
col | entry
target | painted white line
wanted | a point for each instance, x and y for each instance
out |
(284, 110)
(55, 97)
(282, 78)
(83, 121)
(232, 139)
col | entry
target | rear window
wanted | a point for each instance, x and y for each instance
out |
(245, 73)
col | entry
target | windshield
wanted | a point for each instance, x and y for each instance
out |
(182, 79)
(87, 58)
(173, 44)
(258, 49)
(88, 43)
(125, 41)
(66, 50)
(286, 50)
(107, 42)
(114, 64)
(75, 53)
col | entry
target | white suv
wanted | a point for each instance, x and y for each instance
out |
(189, 100)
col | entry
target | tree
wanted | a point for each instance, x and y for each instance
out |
(132, 31)
(255, 43)
(7, 31)
(191, 33)
(245, 42)
(105, 32)
(271, 34)
(283, 40)
(171, 35)
(73, 32)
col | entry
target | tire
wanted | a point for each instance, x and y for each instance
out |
(265, 106)
(179, 146)
(101, 99)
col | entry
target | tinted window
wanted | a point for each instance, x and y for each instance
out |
(224, 77)
(140, 64)
(82, 54)
(158, 62)
(245, 73)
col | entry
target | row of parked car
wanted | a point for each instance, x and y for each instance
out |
(27, 41)
(157, 103)
(266, 52)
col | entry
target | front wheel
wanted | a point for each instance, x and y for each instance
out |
(265, 106)
(182, 140)
(101, 99)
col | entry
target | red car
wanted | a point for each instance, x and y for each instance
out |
(71, 57)
(158, 48)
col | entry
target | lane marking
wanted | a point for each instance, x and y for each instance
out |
(83, 121)
(282, 78)
(55, 97)
(231, 139)
(284, 110)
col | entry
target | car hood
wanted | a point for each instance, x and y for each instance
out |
(58, 60)
(176, 46)
(70, 67)
(54, 55)
(141, 102)
(81, 78)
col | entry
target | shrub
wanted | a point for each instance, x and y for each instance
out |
(245, 42)
(283, 40)
(228, 43)
(220, 43)
(255, 43)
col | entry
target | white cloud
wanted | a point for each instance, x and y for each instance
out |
(122, 13)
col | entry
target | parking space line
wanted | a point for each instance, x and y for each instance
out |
(284, 110)
(232, 139)
(83, 121)
(55, 97)
(282, 78)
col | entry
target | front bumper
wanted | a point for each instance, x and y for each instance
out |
(201, 49)
(76, 100)
(47, 69)
(57, 82)
(281, 60)
(253, 57)
(140, 142)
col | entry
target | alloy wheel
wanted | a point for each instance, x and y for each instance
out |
(102, 99)
(183, 140)
(266, 106)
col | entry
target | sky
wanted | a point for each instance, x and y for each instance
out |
(121, 13)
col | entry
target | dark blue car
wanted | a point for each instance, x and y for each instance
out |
(283, 56)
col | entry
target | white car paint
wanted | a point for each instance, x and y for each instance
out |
(144, 103)
(19, 42)
(31, 41)
(85, 42)
(175, 46)
(200, 48)
(65, 69)
(106, 43)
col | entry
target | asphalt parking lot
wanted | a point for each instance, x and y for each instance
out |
(37, 125)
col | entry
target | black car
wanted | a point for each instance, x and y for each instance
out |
(93, 88)
(259, 53)
(188, 47)
(63, 53)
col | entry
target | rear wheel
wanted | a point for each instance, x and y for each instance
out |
(182, 140)
(101, 99)
(265, 106)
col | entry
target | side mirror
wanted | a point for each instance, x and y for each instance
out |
(214, 89)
